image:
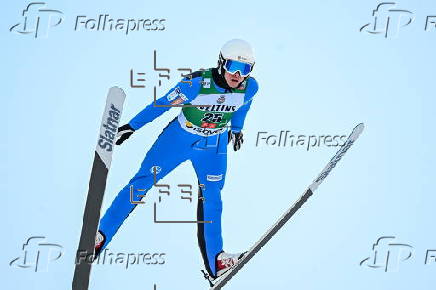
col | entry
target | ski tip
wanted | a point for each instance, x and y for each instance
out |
(117, 90)
(357, 131)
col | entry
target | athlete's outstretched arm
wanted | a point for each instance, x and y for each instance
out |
(182, 93)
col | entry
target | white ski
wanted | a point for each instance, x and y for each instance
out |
(97, 186)
(221, 281)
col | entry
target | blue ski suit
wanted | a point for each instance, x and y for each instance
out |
(198, 134)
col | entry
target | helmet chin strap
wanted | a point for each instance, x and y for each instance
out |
(218, 78)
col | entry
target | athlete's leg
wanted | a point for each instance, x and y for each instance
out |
(210, 165)
(170, 149)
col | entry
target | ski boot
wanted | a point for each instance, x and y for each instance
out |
(100, 239)
(224, 262)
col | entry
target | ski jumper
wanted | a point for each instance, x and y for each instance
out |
(198, 134)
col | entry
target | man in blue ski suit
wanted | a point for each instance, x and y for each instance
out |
(210, 99)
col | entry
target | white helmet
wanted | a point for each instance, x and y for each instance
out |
(238, 50)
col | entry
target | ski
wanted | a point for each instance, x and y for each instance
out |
(97, 185)
(221, 281)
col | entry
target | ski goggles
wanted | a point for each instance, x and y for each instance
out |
(233, 66)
